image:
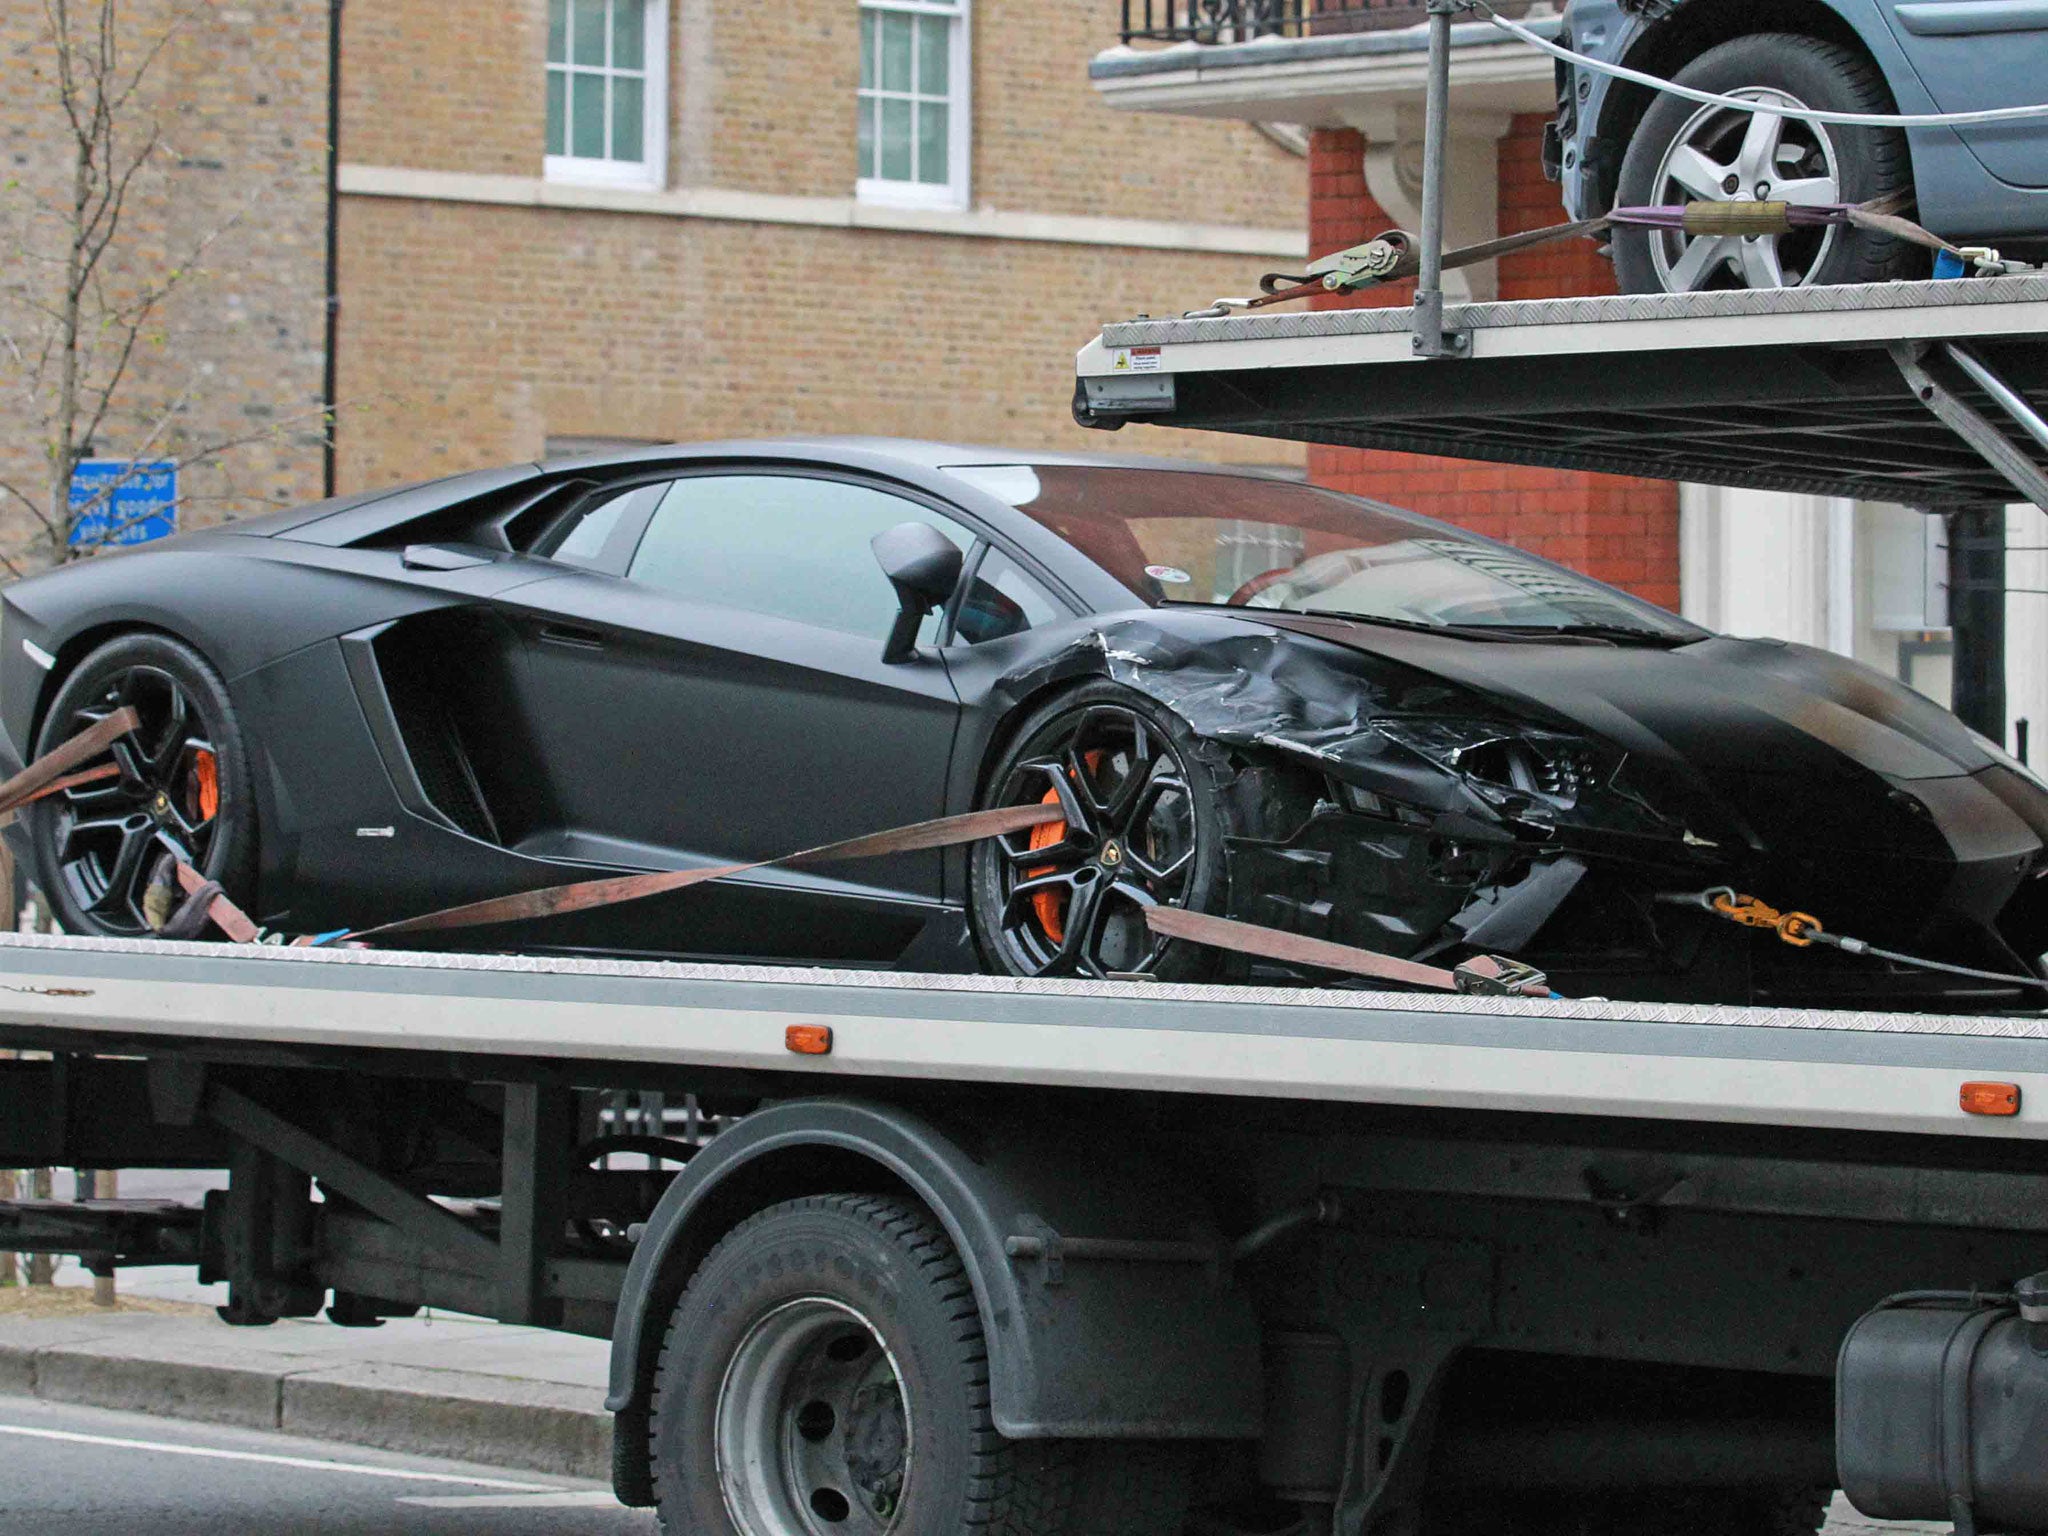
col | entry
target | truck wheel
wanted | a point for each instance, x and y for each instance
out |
(1146, 824)
(185, 775)
(825, 1375)
(1684, 152)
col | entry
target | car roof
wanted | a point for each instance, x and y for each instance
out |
(922, 453)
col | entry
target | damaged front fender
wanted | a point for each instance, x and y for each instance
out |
(1435, 815)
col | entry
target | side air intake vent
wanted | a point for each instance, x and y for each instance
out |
(444, 678)
(434, 742)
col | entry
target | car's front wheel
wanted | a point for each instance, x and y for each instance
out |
(1686, 152)
(183, 787)
(1145, 827)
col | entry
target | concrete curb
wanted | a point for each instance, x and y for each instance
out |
(536, 1426)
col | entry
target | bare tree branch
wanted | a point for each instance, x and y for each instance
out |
(82, 311)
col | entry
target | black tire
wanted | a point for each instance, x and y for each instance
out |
(1074, 746)
(902, 1298)
(1865, 163)
(96, 846)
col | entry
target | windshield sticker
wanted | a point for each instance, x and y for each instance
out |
(1172, 575)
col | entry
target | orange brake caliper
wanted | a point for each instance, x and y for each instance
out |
(204, 787)
(1051, 906)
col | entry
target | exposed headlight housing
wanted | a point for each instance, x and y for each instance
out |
(1544, 767)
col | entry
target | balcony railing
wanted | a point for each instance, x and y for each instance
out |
(1240, 21)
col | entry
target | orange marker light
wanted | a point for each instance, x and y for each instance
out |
(816, 1040)
(1991, 1098)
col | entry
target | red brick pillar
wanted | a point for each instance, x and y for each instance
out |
(1619, 530)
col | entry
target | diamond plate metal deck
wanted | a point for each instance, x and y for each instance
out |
(1953, 300)
(1791, 390)
(35, 953)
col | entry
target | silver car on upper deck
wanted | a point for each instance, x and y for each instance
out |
(1619, 143)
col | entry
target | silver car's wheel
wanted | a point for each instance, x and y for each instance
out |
(811, 1430)
(1684, 152)
(1725, 156)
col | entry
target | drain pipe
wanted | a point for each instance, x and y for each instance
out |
(333, 296)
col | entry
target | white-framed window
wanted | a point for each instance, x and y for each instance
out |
(914, 110)
(607, 92)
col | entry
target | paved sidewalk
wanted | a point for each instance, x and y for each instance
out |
(446, 1386)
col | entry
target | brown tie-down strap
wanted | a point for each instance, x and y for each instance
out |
(53, 770)
(554, 900)
(1485, 974)
(1396, 255)
(227, 917)
(1293, 948)
(58, 786)
(583, 895)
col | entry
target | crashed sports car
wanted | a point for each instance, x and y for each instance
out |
(1251, 698)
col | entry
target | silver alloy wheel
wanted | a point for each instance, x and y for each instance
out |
(1726, 156)
(813, 1435)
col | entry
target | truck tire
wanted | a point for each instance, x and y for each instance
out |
(1684, 151)
(1164, 846)
(825, 1374)
(186, 773)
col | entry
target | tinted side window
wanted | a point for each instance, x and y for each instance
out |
(1002, 600)
(782, 545)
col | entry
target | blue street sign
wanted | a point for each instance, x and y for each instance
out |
(142, 505)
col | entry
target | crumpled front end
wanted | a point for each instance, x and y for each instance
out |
(1385, 804)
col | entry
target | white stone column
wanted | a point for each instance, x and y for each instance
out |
(1768, 563)
(2026, 628)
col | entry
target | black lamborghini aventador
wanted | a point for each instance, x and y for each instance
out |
(1251, 697)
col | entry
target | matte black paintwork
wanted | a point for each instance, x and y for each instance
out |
(607, 725)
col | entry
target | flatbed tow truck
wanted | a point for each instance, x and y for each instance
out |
(1378, 1257)
(1066, 1258)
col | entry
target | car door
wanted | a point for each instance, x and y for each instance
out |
(724, 699)
(1977, 54)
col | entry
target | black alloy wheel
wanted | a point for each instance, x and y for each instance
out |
(1142, 830)
(182, 788)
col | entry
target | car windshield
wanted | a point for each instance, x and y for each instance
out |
(1176, 536)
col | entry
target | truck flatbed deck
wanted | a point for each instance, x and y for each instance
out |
(1296, 1221)
(1797, 390)
(1764, 1066)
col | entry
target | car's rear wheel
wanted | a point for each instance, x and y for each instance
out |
(1686, 151)
(184, 785)
(1146, 822)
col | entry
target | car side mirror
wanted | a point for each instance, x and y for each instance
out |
(923, 565)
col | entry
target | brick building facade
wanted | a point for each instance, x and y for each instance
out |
(236, 199)
(496, 301)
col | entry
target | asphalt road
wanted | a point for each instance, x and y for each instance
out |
(89, 1472)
